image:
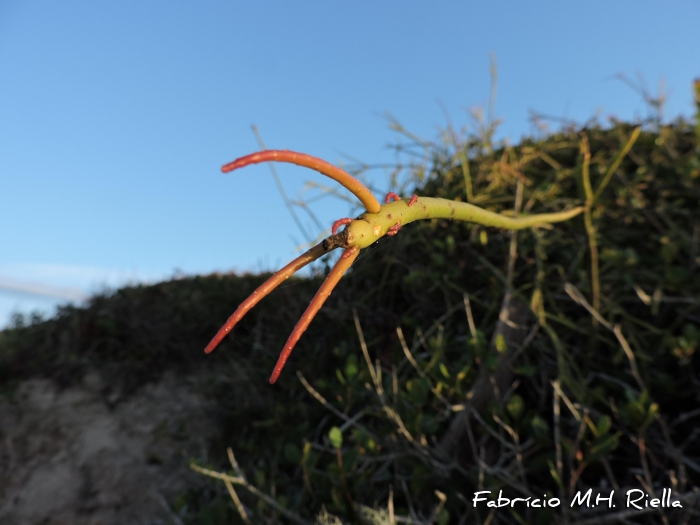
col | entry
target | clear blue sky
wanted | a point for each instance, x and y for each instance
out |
(115, 117)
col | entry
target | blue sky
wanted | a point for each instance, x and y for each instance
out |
(115, 117)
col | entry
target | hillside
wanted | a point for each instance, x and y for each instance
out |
(594, 382)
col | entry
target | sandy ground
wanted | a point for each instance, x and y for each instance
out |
(82, 455)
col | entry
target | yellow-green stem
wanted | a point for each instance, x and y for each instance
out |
(588, 221)
(369, 227)
(464, 160)
(616, 163)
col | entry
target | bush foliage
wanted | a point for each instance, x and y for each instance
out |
(603, 381)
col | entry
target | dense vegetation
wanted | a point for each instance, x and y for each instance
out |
(596, 385)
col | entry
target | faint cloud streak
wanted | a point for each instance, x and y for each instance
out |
(41, 289)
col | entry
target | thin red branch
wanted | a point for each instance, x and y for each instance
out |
(345, 261)
(263, 290)
(302, 159)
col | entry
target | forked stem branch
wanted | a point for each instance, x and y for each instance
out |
(334, 276)
(360, 233)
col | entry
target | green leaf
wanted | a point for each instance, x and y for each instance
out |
(636, 414)
(603, 425)
(483, 237)
(602, 446)
(306, 454)
(555, 475)
(639, 413)
(515, 406)
(351, 370)
(537, 305)
(335, 436)
(651, 414)
(501, 344)
(450, 242)
(525, 370)
(371, 445)
(540, 428)
(444, 371)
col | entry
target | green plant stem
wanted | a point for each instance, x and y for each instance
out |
(591, 197)
(369, 227)
(588, 222)
(464, 160)
(616, 163)
(239, 480)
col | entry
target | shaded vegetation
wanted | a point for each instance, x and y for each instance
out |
(624, 379)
